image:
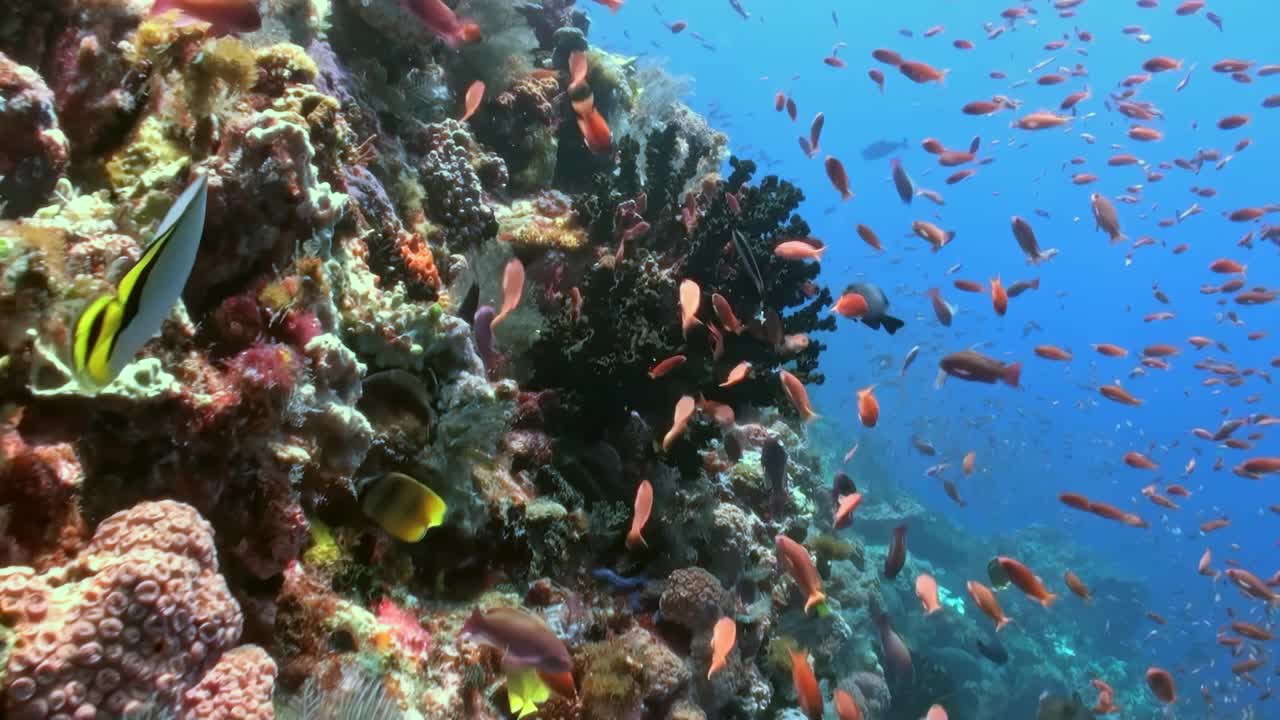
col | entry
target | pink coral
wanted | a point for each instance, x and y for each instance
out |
(40, 492)
(406, 629)
(137, 618)
(237, 688)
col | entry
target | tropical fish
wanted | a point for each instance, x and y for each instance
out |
(970, 365)
(1026, 581)
(876, 315)
(987, 603)
(897, 555)
(440, 19)
(896, 656)
(883, 148)
(475, 93)
(723, 636)
(640, 516)
(793, 558)
(846, 706)
(535, 659)
(806, 685)
(225, 17)
(402, 506)
(993, 650)
(798, 396)
(927, 592)
(113, 328)
(512, 289)
(684, 410)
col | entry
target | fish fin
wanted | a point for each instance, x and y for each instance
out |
(147, 293)
(819, 601)
(872, 323)
(95, 332)
(525, 691)
(1012, 373)
(940, 380)
(892, 324)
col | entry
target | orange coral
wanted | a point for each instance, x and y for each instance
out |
(418, 259)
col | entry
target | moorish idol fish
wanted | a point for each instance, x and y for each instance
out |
(111, 331)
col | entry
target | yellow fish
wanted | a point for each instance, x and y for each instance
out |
(403, 506)
(113, 328)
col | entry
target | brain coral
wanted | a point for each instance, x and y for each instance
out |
(693, 598)
(137, 618)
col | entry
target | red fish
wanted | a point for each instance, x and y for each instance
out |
(475, 93)
(793, 558)
(798, 396)
(999, 299)
(987, 603)
(441, 20)
(723, 636)
(839, 178)
(225, 17)
(1158, 679)
(1026, 581)
(806, 684)
(869, 236)
(684, 410)
(922, 72)
(877, 77)
(666, 366)
(613, 5)
(595, 131)
(868, 407)
(643, 508)
(927, 592)
(512, 289)
(846, 706)
(850, 305)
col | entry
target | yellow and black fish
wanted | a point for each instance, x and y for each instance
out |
(403, 506)
(111, 331)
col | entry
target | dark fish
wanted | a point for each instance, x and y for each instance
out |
(524, 639)
(897, 556)
(1056, 707)
(897, 658)
(993, 651)
(467, 310)
(923, 446)
(881, 149)
(733, 445)
(877, 308)
(842, 485)
(996, 573)
(773, 458)
(975, 367)
(737, 7)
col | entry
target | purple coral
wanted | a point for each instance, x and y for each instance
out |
(455, 173)
(137, 618)
(33, 150)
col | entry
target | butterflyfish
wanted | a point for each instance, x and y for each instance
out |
(403, 507)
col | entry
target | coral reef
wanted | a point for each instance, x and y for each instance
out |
(338, 329)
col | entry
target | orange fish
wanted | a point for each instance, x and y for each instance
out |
(868, 406)
(725, 313)
(845, 508)
(936, 712)
(578, 68)
(796, 561)
(1110, 350)
(869, 236)
(999, 298)
(1139, 461)
(737, 374)
(1227, 266)
(512, 289)
(967, 285)
(441, 20)
(1026, 581)
(798, 396)
(934, 235)
(798, 250)
(1051, 352)
(690, 302)
(613, 5)
(723, 636)
(838, 177)
(666, 366)
(1040, 120)
(851, 305)
(475, 93)
(806, 685)
(1077, 586)
(970, 458)
(643, 508)
(1161, 684)
(927, 591)
(1115, 393)
(987, 603)
(846, 707)
(684, 410)
(922, 72)
(877, 77)
(596, 132)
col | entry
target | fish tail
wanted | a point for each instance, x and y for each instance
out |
(1002, 622)
(1012, 374)
(1048, 600)
(613, 5)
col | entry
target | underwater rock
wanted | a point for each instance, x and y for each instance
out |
(33, 150)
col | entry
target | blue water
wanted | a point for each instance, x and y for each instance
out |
(1056, 433)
